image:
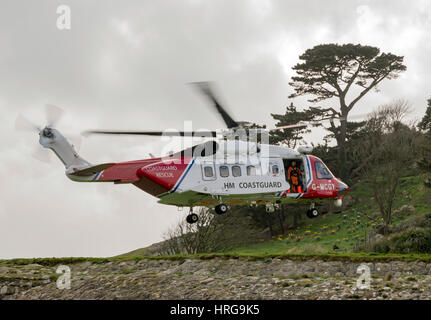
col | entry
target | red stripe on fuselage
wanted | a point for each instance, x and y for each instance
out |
(155, 176)
(125, 171)
(165, 172)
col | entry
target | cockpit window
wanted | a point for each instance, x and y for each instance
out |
(321, 171)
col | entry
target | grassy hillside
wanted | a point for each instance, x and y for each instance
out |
(348, 229)
(344, 230)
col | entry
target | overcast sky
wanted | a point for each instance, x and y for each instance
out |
(125, 65)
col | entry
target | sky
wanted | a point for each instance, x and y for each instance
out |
(127, 64)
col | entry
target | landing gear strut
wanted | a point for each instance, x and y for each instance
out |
(221, 208)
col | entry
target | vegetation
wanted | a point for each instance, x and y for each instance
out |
(211, 233)
(330, 256)
(425, 160)
(291, 137)
(413, 240)
(425, 123)
(356, 229)
(396, 148)
(330, 71)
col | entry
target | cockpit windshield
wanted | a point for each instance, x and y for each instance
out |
(321, 171)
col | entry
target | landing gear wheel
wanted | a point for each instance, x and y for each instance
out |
(192, 218)
(312, 213)
(221, 208)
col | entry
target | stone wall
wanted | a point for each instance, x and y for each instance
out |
(219, 279)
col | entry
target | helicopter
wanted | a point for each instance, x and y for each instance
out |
(229, 169)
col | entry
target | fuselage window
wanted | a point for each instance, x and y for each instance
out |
(236, 171)
(275, 169)
(209, 172)
(321, 171)
(251, 170)
(224, 171)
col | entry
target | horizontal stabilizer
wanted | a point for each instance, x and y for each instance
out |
(91, 170)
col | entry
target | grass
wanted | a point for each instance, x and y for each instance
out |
(54, 261)
(265, 257)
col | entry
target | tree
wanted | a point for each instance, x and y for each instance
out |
(330, 71)
(355, 134)
(366, 144)
(291, 136)
(393, 151)
(425, 161)
(425, 123)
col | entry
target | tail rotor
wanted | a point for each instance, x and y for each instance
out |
(53, 116)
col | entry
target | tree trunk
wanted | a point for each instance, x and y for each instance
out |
(281, 219)
(296, 217)
(341, 141)
(385, 228)
(269, 224)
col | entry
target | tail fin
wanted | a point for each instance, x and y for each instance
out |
(52, 139)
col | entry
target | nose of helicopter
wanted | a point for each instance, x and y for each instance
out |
(342, 188)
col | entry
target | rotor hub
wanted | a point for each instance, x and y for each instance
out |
(47, 132)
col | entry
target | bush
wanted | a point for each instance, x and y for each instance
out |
(416, 221)
(212, 233)
(416, 240)
(381, 246)
(413, 241)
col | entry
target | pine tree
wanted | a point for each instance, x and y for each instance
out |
(425, 124)
(292, 136)
(330, 71)
(425, 162)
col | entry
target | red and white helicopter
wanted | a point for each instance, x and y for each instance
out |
(228, 170)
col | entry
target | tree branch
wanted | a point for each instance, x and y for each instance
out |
(364, 92)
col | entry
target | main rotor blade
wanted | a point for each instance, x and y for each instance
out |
(205, 88)
(53, 114)
(155, 133)
(308, 123)
(298, 125)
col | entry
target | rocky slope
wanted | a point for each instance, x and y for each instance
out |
(218, 279)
